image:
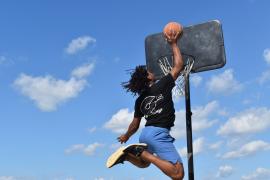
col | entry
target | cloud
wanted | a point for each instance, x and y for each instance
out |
(62, 177)
(99, 178)
(7, 178)
(247, 149)
(70, 178)
(215, 145)
(198, 147)
(6, 61)
(48, 92)
(196, 80)
(79, 44)
(252, 120)
(266, 55)
(224, 171)
(91, 148)
(200, 119)
(75, 148)
(259, 174)
(224, 83)
(92, 130)
(120, 121)
(83, 71)
(265, 76)
(87, 150)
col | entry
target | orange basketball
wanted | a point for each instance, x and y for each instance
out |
(172, 28)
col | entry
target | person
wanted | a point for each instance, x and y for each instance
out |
(154, 102)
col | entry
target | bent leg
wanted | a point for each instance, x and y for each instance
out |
(137, 161)
(175, 171)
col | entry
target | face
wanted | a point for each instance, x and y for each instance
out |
(151, 76)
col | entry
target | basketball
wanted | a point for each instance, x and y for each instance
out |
(172, 28)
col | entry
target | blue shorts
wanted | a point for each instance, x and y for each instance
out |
(160, 142)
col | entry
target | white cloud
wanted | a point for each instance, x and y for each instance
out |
(48, 92)
(224, 171)
(120, 121)
(266, 55)
(7, 178)
(75, 148)
(224, 83)
(6, 61)
(70, 178)
(87, 150)
(249, 121)
(79, 43)
(200, 119)
(99, 178)
(215, 145)
(247, 149)
(234, 142)
(259, 174)
(83, 71)
(91, 148)
(246, 101)
(198, 147)
(92, 130)
(265, 76)
(63, 178)
(196, 80)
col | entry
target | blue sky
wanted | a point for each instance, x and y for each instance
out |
(62, 106)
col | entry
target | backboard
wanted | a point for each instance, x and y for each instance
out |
(202, 43)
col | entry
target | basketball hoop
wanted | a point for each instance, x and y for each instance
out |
(166, 67)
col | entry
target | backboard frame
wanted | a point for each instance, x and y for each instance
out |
(203, 43)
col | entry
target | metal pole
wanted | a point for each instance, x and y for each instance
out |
(189, 130)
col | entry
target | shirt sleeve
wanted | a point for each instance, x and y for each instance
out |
(167, 81)
(137, 109)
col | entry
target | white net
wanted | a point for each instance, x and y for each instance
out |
(166, 67)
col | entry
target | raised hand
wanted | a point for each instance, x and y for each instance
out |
(172, 32)
(123, 138)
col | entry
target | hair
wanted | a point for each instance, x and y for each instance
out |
(138, 81)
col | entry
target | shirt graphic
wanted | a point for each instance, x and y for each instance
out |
(149, 104)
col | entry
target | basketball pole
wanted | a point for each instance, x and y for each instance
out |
(189, 129)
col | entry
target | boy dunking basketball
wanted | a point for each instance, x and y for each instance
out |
(156, 105)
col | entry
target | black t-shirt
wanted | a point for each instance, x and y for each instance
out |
(156, 104)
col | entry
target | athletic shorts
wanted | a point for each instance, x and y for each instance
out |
(160, 142)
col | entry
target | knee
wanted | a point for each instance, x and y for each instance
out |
(144, 164)
(179, 174)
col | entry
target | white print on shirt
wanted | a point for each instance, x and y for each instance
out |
(148, 106)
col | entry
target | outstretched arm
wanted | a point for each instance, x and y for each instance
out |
(177, 61)
(133, 127)
(177, 57)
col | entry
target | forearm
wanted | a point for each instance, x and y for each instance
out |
(133, 127)
(177, 58)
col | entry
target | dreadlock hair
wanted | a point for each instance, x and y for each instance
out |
(138, 81)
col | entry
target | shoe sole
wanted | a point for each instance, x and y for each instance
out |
(118, 153)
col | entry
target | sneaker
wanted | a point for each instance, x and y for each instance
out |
(117, 157)
(136, 149)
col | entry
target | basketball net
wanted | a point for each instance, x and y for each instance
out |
(166, 67)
